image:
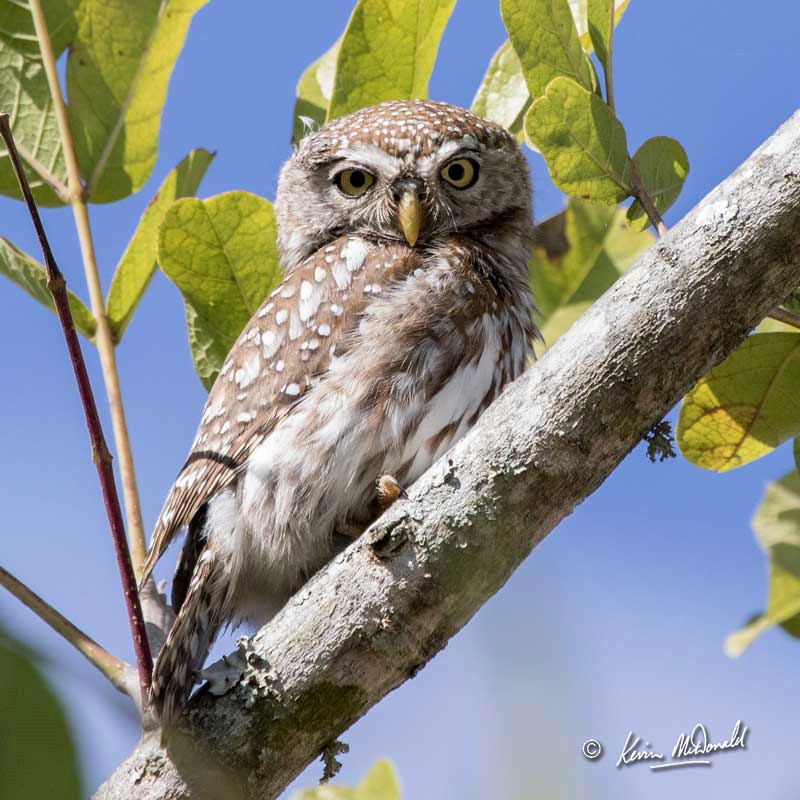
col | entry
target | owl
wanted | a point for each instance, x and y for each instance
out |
(404, 230)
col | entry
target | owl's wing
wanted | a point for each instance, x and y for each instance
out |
(283, 351)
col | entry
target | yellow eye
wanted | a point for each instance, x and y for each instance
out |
(461, 173)
(353, 182)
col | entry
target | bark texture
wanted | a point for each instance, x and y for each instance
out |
(390, 602)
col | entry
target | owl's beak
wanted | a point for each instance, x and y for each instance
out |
(409, 214)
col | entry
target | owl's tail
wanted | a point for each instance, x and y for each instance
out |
(190, 638)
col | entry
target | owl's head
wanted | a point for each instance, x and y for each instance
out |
(416, 170)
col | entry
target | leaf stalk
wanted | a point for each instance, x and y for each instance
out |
(103, 339)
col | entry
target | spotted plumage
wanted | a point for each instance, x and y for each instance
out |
(404, 231)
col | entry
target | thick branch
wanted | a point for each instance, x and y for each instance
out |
(388, 604)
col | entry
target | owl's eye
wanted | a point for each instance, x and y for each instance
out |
(461, 173)
(353, 182)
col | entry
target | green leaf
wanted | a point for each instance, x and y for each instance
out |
(580, 14)
(578, 254)
(314, 90)
(119, 66)
(208, 346)
(662, 165)
(503, 95)
(746, 407)
(546, 40)
(140, 259)
(777, 528)
(600, 21)
(380, 783)
(387, 52)
(25, 95)
(222, 255)
(582, 142)
(37, 757)
(796, 453)
(31, 277)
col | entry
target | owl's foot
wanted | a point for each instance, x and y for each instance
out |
(389, 491)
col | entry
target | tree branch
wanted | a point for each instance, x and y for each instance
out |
(391, 601)
(786, 317)
(117, 672)
(100, 454)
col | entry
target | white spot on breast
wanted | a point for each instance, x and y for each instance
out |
(246, 416)
(279, 365)
(288, 292)
(324, 330)
(292, 389)
(267, 308)
(281, 316)
(319, 274)
(336, 310)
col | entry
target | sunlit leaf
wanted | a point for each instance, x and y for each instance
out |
(387, 52)
(662, 165)
(579, 253)
(140, 259)
(37, 756)
(30, 276)
(221, 254)
(777, 528)
(582, 142)
(544, 37)
(746, 407)
(580, 14)
(25, 95)
(380, 783)
(600, 20)
(118, 70)
(503, 95)
(314, 90)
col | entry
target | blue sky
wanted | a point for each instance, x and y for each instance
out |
(616, 621)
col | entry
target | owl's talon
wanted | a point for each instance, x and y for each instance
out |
(389, 491)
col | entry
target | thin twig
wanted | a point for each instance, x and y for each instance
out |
(109, 665)
(103, 338)
(100, 454)
(60, 189)
(787, 317)
(643, 196)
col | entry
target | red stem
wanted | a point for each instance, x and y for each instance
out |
(100, 453)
